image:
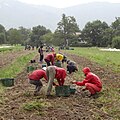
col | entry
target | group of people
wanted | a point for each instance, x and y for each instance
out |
(91, 82)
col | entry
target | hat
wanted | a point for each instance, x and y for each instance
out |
(44, 68)
(86, 70)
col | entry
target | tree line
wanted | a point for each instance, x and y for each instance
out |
(67, 33)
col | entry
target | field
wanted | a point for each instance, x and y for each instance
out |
(18, 102)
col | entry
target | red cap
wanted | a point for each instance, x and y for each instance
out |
(86, 70)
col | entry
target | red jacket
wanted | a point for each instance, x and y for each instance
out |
(60, 75)
(37, 75)
(90, 78)
(50, 58)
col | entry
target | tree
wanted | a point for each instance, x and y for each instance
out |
(93, 33)
(116, 42)
(2, 34)
(25, 35)
(67, 29)
(107, 37)
(14, 36)
(116, 26)
(48, 38)
(37, 35)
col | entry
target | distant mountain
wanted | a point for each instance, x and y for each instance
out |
(14, 14)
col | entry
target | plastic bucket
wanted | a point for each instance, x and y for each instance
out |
(8, 82)
(30, 68)
(72, 90)
(44, 65)
(62, 91)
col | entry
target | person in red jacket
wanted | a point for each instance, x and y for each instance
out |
(92, 82)
(53, 72)
(34, 78)
(49, 59)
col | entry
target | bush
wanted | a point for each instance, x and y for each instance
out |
(116, 42)
(78, 44)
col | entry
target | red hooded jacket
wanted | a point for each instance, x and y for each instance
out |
(60, 75)
(90, 78)
(50, 58)
(37, 75)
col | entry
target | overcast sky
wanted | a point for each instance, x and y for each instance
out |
(65, 3)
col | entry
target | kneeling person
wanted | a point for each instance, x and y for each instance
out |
(91, 82)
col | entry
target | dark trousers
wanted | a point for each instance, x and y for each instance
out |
(41, 58)
(37, 83)
(71, 68)
(48, 62)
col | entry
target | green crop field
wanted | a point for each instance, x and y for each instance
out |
(105, 58)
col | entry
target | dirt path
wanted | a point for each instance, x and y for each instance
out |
(75, 107)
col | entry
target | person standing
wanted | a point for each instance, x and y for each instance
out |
(40, 50)
(91, 82)
(52, 73)
(34, 78)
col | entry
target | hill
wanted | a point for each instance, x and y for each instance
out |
(14, 14)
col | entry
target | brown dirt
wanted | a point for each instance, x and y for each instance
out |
(7, 58)
(75, 107)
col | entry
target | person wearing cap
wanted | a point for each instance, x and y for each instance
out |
(71, 66)
(52, 73)
(34, 78)
(49, 59)
(64, 57)
(91, 82)
(59, 57)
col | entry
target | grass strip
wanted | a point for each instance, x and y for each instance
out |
(105, 58)
(16, 66)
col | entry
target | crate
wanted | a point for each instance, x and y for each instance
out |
(72, 90)
(58, 64)
(44, 65)
(31, 68)
(62, 91)
(7, 82)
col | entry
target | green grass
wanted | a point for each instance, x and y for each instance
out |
(16, 66)
(12, 48)
(109, 97)
(105, 58)
(37, 106)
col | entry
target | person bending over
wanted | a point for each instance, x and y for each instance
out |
(34, 78)
(52, 73)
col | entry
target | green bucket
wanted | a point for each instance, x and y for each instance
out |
(8, 82)
(58, 64)
(72, 90)
(30, 68)
(44, 65)
(62, 91)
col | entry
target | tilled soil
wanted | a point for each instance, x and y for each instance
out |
(7, 58)
(76, 107)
